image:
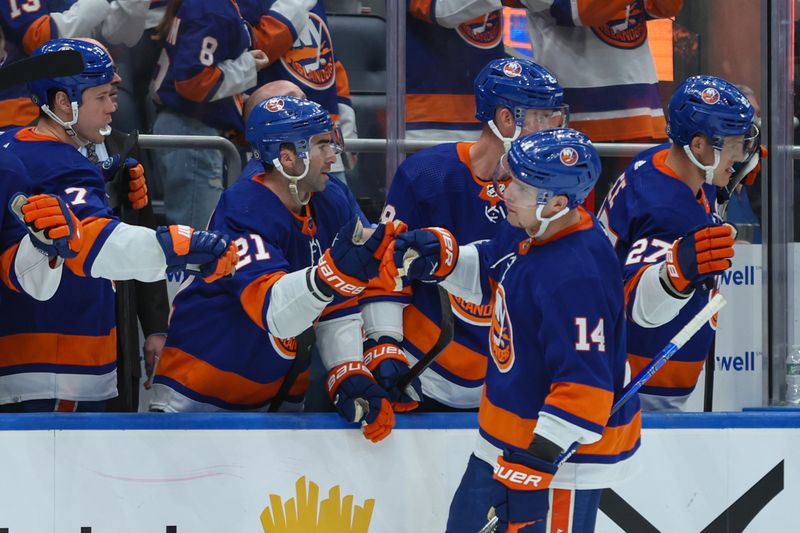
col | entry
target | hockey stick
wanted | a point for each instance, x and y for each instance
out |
(736, 179)
(682, 337)
(445, 338)
(127, 322)
(50, 65)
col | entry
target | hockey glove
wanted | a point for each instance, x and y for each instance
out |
(699, 255)
(358, 398)
(428, 254)
(208, 252)
(53, 228)
(752, 174)
(387, 362)
(351, 261)
(133, 170)
(522, 496)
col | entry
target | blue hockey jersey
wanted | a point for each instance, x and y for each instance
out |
(24, 26)
(645, 211)
(204, 33)
(557, 345)
(441, 65)
(437, 187)
(219, 353)
(300, 52)
(66, 347)
(13, 179)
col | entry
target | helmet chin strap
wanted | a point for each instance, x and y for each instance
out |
(708, 170)
(506, 140)
(68, 126)
(545, 222)
(293, 180)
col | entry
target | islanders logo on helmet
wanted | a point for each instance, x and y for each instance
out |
(512, 69)
(274, 104)
(98, 70)
(710, 106)
(710, 95)
(518, 85)
(559, 161)
(310, 60)
(568, 156)
(485, 31)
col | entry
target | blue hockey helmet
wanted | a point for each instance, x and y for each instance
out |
(519, 85)
(98, 69)
(286, 120)
(555, 162)
(711, 106)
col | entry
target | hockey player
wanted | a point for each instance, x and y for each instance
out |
(205, 66)
(451, 186)
(557, 345)
(62, 354)
(294, 273)
(296, 38)
(26, 25)
(660, 219)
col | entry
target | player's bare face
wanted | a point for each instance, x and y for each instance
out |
(732, 152)
(321, 155)
(97, 105)
(520, 200)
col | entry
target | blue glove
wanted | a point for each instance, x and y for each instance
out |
(387, 362)
(205, 250)
(358, 398)
(521, 498)
(348, 264)
(110, 166)
(428, 254)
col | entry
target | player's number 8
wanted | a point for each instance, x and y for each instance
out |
(207, 49)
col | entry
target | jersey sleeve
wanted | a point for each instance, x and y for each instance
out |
(277, 24)
(83, 190)
(200, 46)
(451, 13)
(402, 203)
(580, 12)
(28, 24)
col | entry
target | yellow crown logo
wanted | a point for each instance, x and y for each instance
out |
(306, 514)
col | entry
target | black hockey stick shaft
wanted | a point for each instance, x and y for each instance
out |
(445, 338)
(128, 326)
(50, 65)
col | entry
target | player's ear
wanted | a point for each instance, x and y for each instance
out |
(503, 118)
(287, 158)
(559, 203)
(697, 144)
(60, 103)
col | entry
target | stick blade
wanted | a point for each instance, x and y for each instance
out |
(50, 65)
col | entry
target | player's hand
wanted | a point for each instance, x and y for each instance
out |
(358, 398)
(134, 172)
(53, 228)
(428, 254)
(521, 500)
(387, 362)
(262, 61)
(209, 252)
(353, 258)
(151, 351)
(699, 255)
